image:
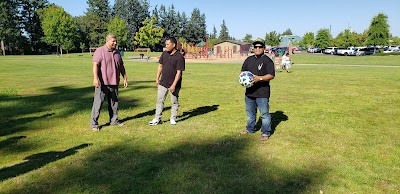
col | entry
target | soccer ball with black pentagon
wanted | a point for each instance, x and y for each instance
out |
(245, 79)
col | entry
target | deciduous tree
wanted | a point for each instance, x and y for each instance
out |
(323, 38)
(58, 26)
(308, 40)
(346, 39)
(378, 31)
(149, 34)
(272, 38)
(248, 38)
(117, 26)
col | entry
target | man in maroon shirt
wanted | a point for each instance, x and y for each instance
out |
(170, 69)
(107, 67)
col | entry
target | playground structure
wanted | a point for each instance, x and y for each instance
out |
(194, 51)
(226, 49)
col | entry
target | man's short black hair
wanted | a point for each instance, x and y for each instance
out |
(173, 40)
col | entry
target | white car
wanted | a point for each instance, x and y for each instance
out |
(392, 49)
(330, 50)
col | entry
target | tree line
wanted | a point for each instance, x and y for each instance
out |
(37, 27)
(376, 35)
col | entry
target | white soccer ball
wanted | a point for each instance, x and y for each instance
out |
(245, 79)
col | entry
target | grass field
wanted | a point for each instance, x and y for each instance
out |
(336, 130)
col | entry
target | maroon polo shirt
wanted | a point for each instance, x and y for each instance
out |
(111, 65)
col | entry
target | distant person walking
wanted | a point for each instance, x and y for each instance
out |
(107, 67)
(277, 61)
(286, 62)
(169, 78)
(257, 96)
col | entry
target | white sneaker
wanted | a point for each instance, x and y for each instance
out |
(155, 122)
(172, 121)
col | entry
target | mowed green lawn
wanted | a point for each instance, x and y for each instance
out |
(336, 130)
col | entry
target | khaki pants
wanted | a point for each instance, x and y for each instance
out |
(161, 96)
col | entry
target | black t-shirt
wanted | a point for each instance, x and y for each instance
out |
(170, 65)
(259, 66)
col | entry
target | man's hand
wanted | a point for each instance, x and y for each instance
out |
(256, 78)
(172, 89)
(157, 82)
(125, 83)
(96, 83)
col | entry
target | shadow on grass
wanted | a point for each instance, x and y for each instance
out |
(196, 112)
(276, 118)
(143, 114)
(209, 166)
(10, 141)
(64, 100)
(37, 161)
(10, 127)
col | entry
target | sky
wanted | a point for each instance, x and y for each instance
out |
(258, 17)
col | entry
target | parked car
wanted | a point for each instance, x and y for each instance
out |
(317, 50)
(364, 51)
(391, 50)
(346, 51)
(331, 50)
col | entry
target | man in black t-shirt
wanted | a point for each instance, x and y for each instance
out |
(257, 96)
(170, 69)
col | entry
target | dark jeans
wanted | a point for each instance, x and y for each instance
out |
(111, 93)
(251, 110)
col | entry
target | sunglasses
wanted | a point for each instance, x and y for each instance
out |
(258, 47)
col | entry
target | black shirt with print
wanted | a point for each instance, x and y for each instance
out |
(259, 66)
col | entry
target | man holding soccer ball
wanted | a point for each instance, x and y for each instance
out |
(257, 96)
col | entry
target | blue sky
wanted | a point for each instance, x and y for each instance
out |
(258, 17)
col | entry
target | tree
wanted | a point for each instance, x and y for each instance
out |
(346, 39)
(214, 33)
(58, 26)
(378, 31)
(118, 8)
(10, 32)
(323, 38)
(99, 8)
(149, 34)
(173, 25)
(272, 38)
(213, 41)
(395, 41)
(197, 27)
(98, 13)
(117, 26)
(30, 22)
(360, 38)
(248, 38)
(223, 33)
(287, 32)
(68, 45)
(308, 40)
(183, 23)
(134, 12)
